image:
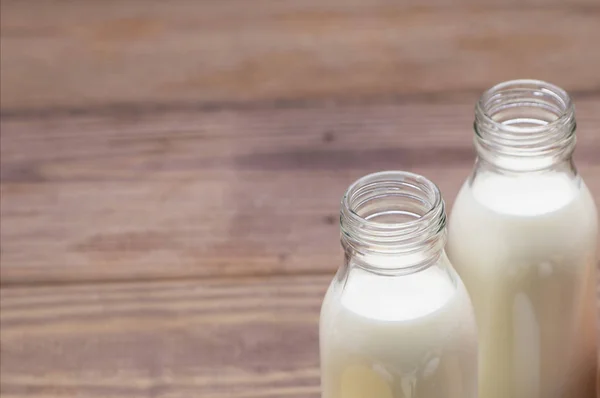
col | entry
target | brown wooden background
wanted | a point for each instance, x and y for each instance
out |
(171, 170)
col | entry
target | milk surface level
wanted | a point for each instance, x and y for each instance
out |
(407, 336)
(525, 246)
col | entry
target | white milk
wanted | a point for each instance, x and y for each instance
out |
(405, 336)
(525, 247)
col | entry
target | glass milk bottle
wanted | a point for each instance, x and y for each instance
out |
(522, 236)
(396, 321)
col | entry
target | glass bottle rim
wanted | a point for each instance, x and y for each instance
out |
(414, 196)
(564, 108)
(525, 125)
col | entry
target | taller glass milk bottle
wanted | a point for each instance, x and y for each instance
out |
(523, 236)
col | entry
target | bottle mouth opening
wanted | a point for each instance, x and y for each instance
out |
(525, 106)
(525, 118)
(392, 210)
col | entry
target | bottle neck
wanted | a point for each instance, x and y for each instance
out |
(563, 166)
(393, 222)
(525, 125)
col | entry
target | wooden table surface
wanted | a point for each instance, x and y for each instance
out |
(171, 171)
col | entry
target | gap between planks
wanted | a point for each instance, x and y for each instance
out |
(154, 108)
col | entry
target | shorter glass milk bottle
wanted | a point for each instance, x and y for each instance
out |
(396, 321)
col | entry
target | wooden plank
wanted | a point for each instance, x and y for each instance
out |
(66, 54)
(233, 192)
(220, 339)
(242, 338)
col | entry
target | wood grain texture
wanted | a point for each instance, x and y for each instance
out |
(233, 192)
(170, 172)
(242, 338)
(238, 338)
(74, 55)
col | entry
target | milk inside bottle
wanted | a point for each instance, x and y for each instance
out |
(522, 236)
(396, 321)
